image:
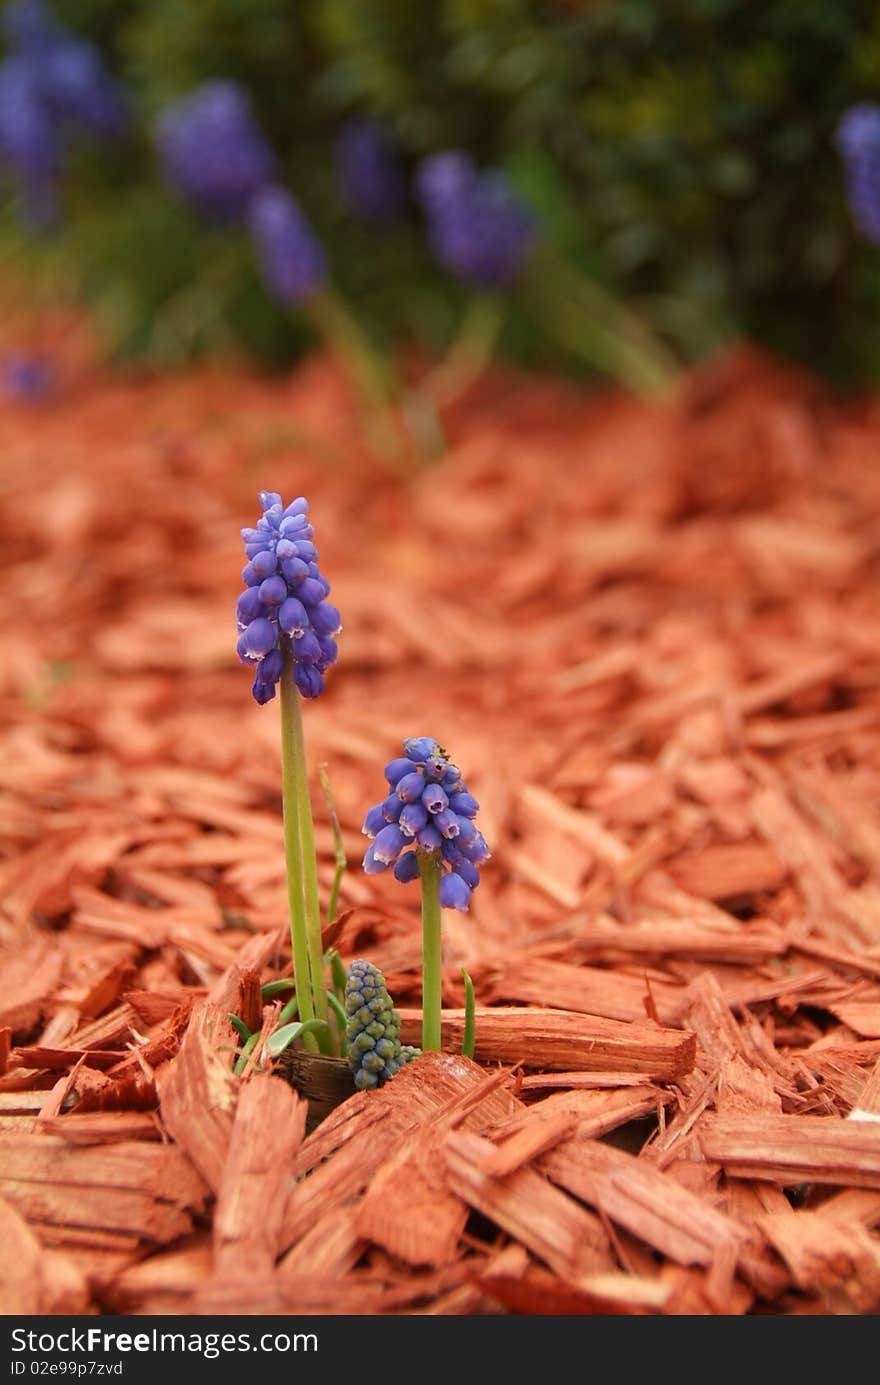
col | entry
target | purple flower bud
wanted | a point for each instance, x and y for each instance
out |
(329, 650)
(241, 649)
(396, 769)
(452, 779)
(476, 851)
(310, 591)
(389, 843)
(325, 618)
(306, 648)
(294, 569)
(419, 748)
(413, 818)
(291, 259)
(446, 823)
(306, 550)
(466, 831)
(308, 679)
(464, 805)
(249, 576)
(273, 590)
(468, 872)
(435, 767)
(271, 667)
(263, 692)
(372, 864)
(406, 867)
(270, 500)
(260, 636)
(392, 807)
(264, 563)
(374, 821)
(410, 787)
(292, 616)
(454, 893)
(429, 839)
(249, 605)
(434, 798)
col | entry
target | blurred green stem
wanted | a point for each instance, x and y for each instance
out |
(470, 351)
(592, 324)
(367, 369)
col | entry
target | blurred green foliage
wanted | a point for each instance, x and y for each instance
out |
(681, 152)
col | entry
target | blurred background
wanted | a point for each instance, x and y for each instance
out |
(678, 165)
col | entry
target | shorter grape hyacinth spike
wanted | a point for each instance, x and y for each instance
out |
(375, 1052)
(285, 599)
(428, 810)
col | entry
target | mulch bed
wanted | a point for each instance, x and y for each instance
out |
(650, 636)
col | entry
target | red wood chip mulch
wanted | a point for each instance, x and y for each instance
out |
(650, 635)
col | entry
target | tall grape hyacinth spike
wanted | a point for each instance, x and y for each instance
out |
(424, 828)
(375, 1053)
(285, 596)
(287, 629)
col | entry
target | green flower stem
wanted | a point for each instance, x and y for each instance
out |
(308, 862)
(432, 959)
(366, 367)
(291, 737)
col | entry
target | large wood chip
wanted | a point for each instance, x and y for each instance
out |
(270, 1122)
(562, 1040)
(632, 1193)
(788, 1150)
(525, 1204)
(34, 1282)
(197, 1093)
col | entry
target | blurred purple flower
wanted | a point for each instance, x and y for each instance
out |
(290, 256)
(858, 141)
(213, 152)
(53, 86)
(477, 226)
(369, 171)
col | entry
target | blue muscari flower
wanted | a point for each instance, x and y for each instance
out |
(372, 1031)
(284, 598)
(288, 252)
(213, 151)
(477, 226)
(369, 172)
(52, 85)
(429, 811)
(858, 141)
